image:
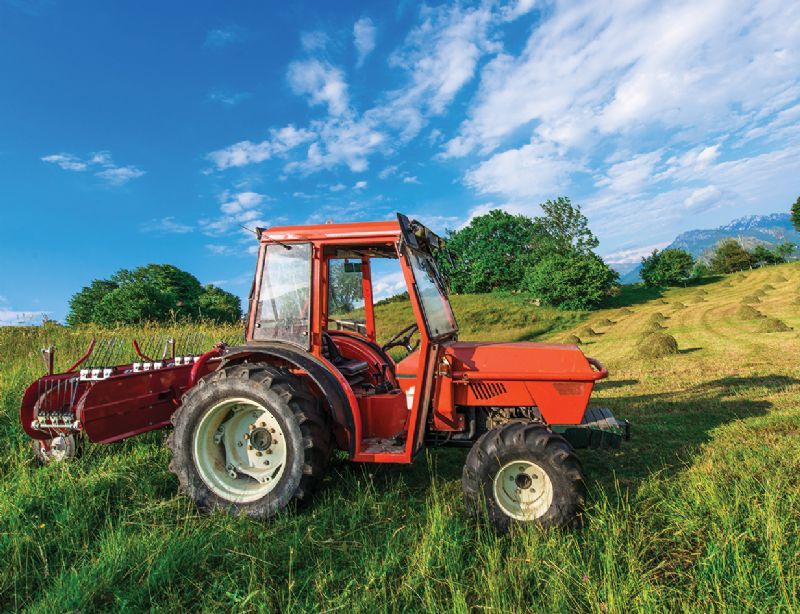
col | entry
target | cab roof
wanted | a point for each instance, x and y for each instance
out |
(361, 231)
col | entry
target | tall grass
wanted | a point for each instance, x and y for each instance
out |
(700, 511)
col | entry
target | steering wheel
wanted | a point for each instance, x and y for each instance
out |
(403, 339)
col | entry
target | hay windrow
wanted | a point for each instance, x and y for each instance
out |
(760, 292)
(588, 332)
(768, 287)
(604, 322)
(779, 279)
(701, 292)
(746, 312)
(572, 340)
(772, 325)
(657, 345)
(679, 305)
(626, 311)
(750, 299)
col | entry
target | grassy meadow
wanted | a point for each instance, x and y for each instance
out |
(699, 511)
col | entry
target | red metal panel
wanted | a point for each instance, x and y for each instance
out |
(383, 415)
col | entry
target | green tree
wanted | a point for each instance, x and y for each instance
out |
(796, 214)
(670, 267)
(218, 305)
(762, 255)
(563, 229)
(344, 287)
(83, 303)
(155, 292)
(730, 257)
(700, 270)
(571, 281)
(785, 249)
(490, 253)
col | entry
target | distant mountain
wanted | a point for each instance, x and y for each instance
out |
(767, 230)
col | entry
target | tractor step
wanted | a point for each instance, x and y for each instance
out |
(599, 429)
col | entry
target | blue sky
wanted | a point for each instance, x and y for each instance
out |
(146, 132)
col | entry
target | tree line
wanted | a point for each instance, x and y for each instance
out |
(155, 293)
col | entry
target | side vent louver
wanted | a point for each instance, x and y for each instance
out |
(486, 390)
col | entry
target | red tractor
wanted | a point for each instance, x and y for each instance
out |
(255, 423)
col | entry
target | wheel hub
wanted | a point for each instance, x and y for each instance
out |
(523, 490)
(240, 450)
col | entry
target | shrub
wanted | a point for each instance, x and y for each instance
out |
(573, 281)
(670, 267)
(657, 345)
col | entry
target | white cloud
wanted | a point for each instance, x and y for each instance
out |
(222, 37)
(66, 161)
(165, 225)
(100, 162)
(313, 41)
(533, 171)
(631, 175)
(410, 179)
(363, 38)
(230, 99)
(634, 254)
(338, 187)
(237, 209)
(321, 82)
(246, 152)
(120, 175)
(360, 185)
(13, 317)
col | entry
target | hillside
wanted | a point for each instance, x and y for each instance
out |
(768, 230)
(699, 511)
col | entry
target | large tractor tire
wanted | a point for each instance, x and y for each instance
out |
(249, 439)
(521, 473)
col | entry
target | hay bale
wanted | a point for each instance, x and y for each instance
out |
(760, 292)
(625, 311)
(588, 332)
(768, 287)
(653, 327)
(572, 340)
(750, 299)
(657, 345)
(727, 284)
(679, 305)
(701, 292)
(604, 322)
(772, 325)
(658, 317)
(779, 279)
(746, 312)
(796, 300)
(699, 299)
(664, 301)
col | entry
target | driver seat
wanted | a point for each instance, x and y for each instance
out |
(354, 371)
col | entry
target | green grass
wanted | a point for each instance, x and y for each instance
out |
(700, 511)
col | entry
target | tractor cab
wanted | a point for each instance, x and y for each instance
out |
(314, 291)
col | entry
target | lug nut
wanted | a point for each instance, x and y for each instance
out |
(258, 453)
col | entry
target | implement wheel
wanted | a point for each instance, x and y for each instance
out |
(524, 473)
(249, 439)
(58, 449)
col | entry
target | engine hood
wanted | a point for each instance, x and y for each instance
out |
(517, 360)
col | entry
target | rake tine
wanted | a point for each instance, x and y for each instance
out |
(166, 345)
(203, 343)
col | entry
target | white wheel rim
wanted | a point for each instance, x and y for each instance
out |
(239, 450)
(523, 490)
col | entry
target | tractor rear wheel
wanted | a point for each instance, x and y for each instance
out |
(522, 472)
(249, 439)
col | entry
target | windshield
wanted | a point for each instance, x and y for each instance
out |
(435, 306)
(284, 299)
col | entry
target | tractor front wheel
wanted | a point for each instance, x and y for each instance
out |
(249, 439)
(521, 473)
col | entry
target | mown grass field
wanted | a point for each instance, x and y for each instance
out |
(699, 511)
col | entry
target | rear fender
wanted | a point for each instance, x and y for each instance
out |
(334, 388)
